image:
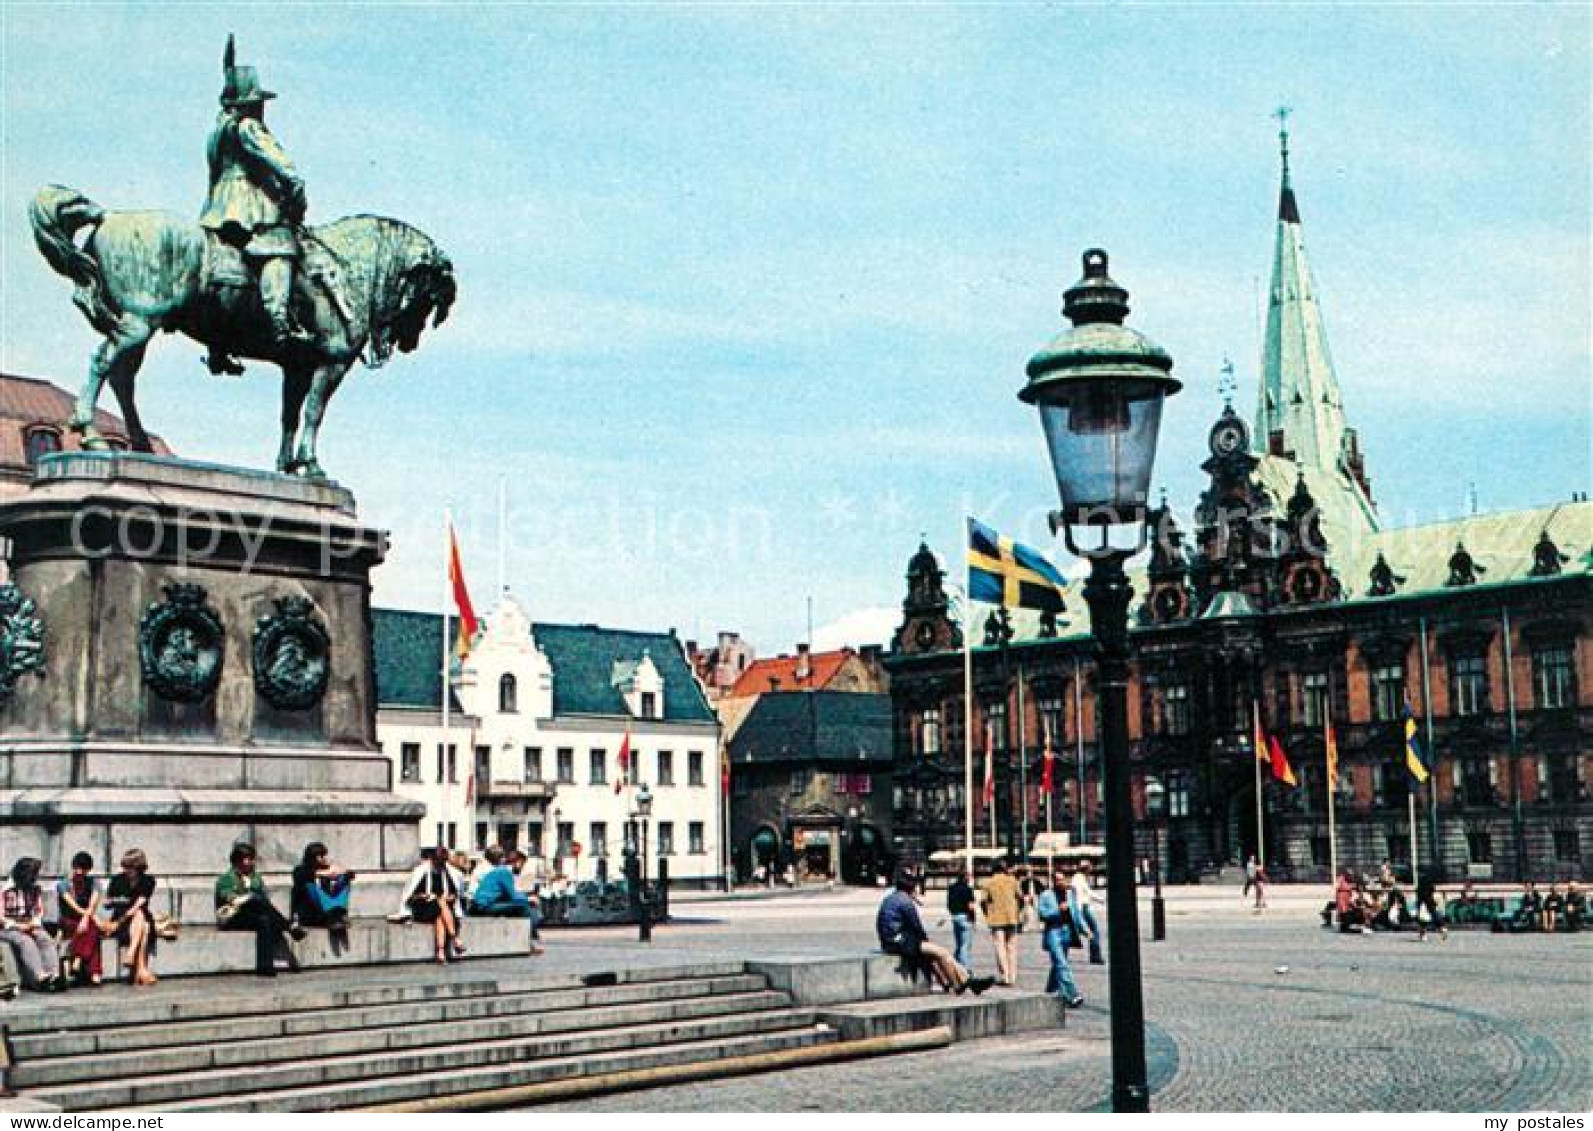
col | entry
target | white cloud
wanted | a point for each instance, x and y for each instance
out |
(858, 628)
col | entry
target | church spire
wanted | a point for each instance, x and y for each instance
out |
(1301, 413)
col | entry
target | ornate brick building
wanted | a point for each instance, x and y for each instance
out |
(1290, 597)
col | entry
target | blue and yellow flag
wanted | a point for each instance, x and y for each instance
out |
(1003, 572)
(1415, 762)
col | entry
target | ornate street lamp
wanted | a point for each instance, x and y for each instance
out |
(1099, 387)
(1156, 810)
(644, 910)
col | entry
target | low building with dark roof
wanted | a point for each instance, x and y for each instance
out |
(529, 754)
(33, 416)
(810, 786)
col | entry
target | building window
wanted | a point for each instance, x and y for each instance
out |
(566, 838)
(694, 767)
(452, 840)
(996, 721)
(481, 836)
(1314, 688)
(41, 442)
(533, 763)
(858, 785)
(483, 765)
(666, 838)
(1469, 684)
(1312, 794)
(1479, 847)
(649, 705)
(1567, 845)
(696, 843)
(1321, 850)
(1398, 844)
(1388, 692)
(666, 767)
(740, 785)
(1475, 779)
(508, 695)
(533, 838)
(1051, 716)
(409, 762)
(1553, 674)
(598, 766)
(1177, 793)
(929, 732)
(508, 836)
(566, 765)
(1559, 779)
(1176, 698)
(801, 778)
(447, 763)
(1390, 785)
(599, 842)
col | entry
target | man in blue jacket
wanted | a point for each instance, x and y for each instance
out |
(497, 896)
(1058, 912)
(901, 932)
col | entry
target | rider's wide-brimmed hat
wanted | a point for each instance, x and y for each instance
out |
(242, 87)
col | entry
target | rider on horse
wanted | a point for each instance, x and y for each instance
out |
(256, 199)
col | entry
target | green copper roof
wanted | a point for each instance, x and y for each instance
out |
(408, 647)
(825, 726)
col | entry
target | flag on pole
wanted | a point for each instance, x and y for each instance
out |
(470, 789)
(1047, 766)
(1415, 762)
(467, 612)
(990, 767)
(1281, 770)
(1004, 572)
(1332, 746)
(1259, 737)
(724, 771)
(622, 778)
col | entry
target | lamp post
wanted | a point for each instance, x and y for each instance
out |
(1099, 387)
(644, 909)
(1156, 809)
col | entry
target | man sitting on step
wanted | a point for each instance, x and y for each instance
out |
(901, 933)
(496, 894)
(242, 905)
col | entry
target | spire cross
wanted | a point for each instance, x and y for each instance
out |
(1282, 115)
(1226, 383)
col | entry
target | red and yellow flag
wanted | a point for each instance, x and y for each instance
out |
(724, 771)
(624, 776)
(1048, 767)
(467, 612)
(1331, 745)
(1281, 770)
(990, 767)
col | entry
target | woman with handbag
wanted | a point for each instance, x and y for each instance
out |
(433, 897)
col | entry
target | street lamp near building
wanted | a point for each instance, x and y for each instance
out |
(644, 906)
(1156, 809)
(1099, 387)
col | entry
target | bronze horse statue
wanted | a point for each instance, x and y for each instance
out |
(370, 286)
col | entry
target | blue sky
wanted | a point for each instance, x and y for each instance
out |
(746, 292)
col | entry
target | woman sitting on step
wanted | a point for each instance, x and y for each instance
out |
(321, 895)
(79, 896)
(129, 917)
(433, 897)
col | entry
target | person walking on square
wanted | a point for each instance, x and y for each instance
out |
(1251, 868)
(243, 905)
(1084, 911)
(960, 902)
(79, 896)
(1002, 904)
(1057, 923)
(1429, 916)
(22, 928)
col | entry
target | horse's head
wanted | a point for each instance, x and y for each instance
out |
(424, 289)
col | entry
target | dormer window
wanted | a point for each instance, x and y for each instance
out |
(649, 705)
(508, 695)
(41, 442)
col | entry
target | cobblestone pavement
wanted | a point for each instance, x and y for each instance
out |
(1246, 1013)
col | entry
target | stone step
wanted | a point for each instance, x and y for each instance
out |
(575, 1049)
(997, 1013)
(204, 949)
(241, 1051)
(442, 1077)
(300, 1022)
(87, 1011)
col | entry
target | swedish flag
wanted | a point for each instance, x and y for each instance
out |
(1003, 572)
(1415, 762)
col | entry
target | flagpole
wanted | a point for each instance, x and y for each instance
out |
(1329, 755)
(1261, 818)
(967, 729)
(1023, 775)
(1434, 848)
(1410, 796)
(448, 551)
(988, 796)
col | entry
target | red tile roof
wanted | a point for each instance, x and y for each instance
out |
(29, 401)
(779, 673)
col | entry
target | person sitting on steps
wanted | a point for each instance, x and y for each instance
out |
(901, 933)
(321, 895)
(433, 897)
(243, 905)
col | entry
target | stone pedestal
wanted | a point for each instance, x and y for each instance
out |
(206, 671)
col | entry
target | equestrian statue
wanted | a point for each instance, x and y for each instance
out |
(248, 281)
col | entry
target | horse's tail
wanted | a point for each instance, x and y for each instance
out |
(57, 214)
